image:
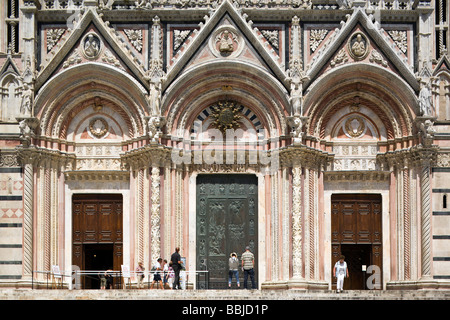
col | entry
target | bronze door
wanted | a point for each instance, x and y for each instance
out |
(356, 233)
(227, 221)
(97, 231)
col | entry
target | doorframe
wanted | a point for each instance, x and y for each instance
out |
(96, 187)
(385, 230)
(261, 222)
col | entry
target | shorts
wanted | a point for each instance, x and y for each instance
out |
(157, 277)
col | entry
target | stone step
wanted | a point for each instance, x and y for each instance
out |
(145, 294)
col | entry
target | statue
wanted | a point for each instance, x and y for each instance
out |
(27, 101)
(154, 128)
(296, 99)
(154, 98)
(427, 132)
(296, 124)
(425, 101)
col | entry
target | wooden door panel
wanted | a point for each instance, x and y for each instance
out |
(97, 219)
(356, 224)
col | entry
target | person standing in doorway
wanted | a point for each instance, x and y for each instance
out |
(248, 265)
(233, 264)
(340, 271)
(176, 266)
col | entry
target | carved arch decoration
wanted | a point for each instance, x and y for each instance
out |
(245, 119)
(205, 85)
(380, 91)
(81, 87)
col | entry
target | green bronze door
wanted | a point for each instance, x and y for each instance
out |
(227, 221)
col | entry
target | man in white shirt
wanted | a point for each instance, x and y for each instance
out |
(340, 270)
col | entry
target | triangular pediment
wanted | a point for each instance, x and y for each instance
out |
(360, 40)
(443, 64)
(91, 40)
(9, 67)
(209, 41)
(226, 41)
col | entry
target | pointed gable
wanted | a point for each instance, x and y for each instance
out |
(359, 40)
(443, 64)
(71, 49)
(249, 43)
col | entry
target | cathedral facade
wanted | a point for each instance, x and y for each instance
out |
(302, 129)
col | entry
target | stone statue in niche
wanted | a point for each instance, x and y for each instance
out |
(27, 101)
(425, 102)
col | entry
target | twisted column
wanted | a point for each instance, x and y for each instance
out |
(406, 225)
(140, 200)
(312, 233)
(28, 195)
(426, 220)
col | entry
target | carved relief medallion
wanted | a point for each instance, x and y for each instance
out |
(98, 127)
(225, 42)
(358, 46)
(354, 127)
(91, 45)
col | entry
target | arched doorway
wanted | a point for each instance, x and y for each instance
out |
(227, 221)
(356, 234)
(97, 235)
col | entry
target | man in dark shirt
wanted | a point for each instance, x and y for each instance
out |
(176, 266)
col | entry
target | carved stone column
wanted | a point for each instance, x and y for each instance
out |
(28, 203)
(155, 215)
(297, 254)
(406, 224)
(425, 190)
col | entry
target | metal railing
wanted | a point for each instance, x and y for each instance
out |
(119, 280)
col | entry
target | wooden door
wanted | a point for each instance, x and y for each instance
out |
(97, 219)
(356, 233)
(227, 221)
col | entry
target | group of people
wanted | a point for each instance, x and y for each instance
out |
(247, 265)
(171, 271)
(162, 272)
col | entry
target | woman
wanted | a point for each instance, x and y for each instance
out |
(233, 264)
(340, 270)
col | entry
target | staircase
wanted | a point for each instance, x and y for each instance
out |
(144, 294)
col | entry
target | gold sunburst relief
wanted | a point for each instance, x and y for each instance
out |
(226, 115)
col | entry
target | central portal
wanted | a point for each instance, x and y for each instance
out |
(227, 221)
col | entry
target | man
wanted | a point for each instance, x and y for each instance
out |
(176, 266)
(248, 265)
(340, 270)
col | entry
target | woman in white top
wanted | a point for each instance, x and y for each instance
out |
(340, 271)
